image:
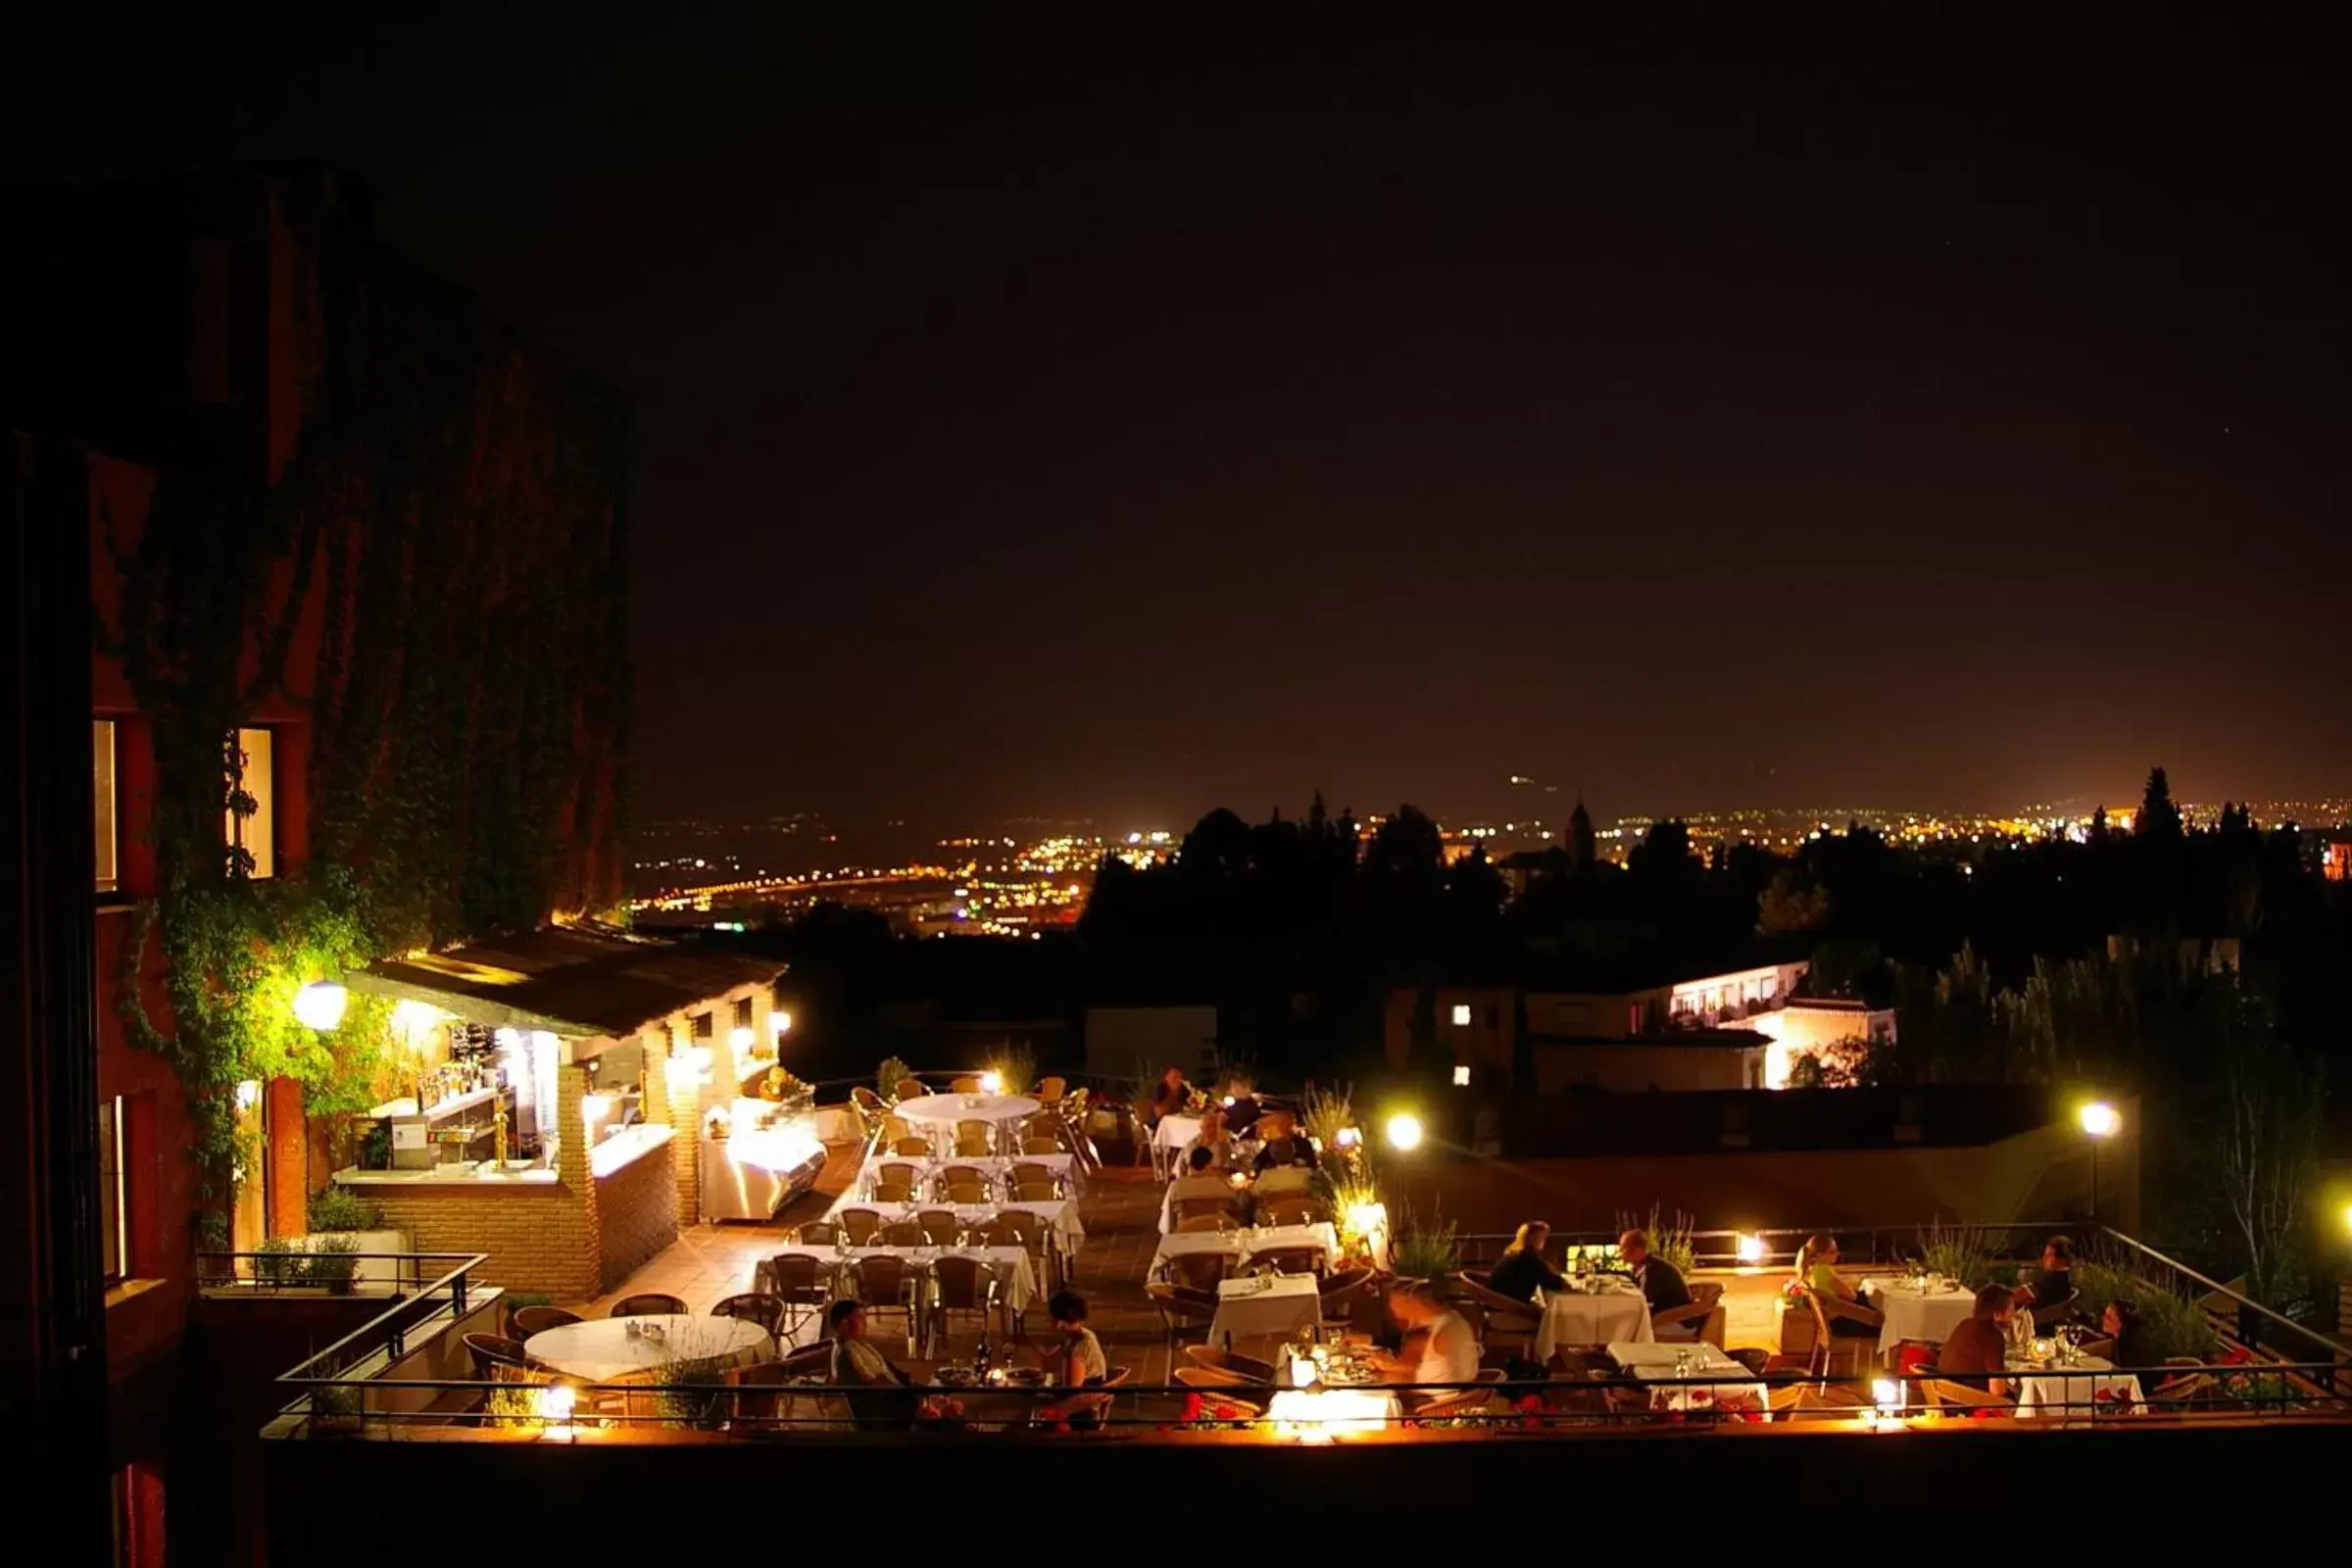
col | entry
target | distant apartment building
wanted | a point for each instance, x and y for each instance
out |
(1744, 1029)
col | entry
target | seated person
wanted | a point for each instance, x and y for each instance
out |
(1285, 1144)
(859, 1363)
(1436, 1344)
(1075, 1360)
(2128, 1340)
(1661, 1282)
(1171, 1095)
(1817, 1266)
(2055, 1281)
(1242, 1114)
(1521, 1270)
(1215, 1140)
(1975, 1354)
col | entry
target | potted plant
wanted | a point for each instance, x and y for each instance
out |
(332, 1263)
(277, 1261)
(889, 1076)
(1426, 1250)
(342, 1212)
(335, 1407)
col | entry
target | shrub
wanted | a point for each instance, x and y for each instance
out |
(1430, 1251)
(1669, 1239)
(339, 1209)
(2174, 1324)
(331, 1262)
(279, 1261)
(1957, 1253)
(887, 1076)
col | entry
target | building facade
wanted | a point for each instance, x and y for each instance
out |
(353, 547)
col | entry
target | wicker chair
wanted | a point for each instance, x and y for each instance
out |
(905, 1232)
(1290, 1259)
(1197, 1224)
(970, 1175)
(1182, 1308)
(1340, 1291)
(940, 1227)
(1849, 1334)
(1034, 1174)
(1222, 1400)
(1702, 1317)
(525, 1321)
(975, 1140)
(967, 1194)
(886, 1284)
(497, 1358)
(1051, 1087)
(1511, 1324)
(1944, 1394)
(911, 1147)
(965, 1083)
(1036, 1192)
(871, 1107)
(894, 1192)
(1293, 1211)
(755, 1306)
(1199, 1270)
(962, 1287)
(798, 1281)
(900, 1171)
(818, 1232)
(860, 1225)
(1231, 1363)
(648, 1303)
(1041, 1144)
(909, 1089)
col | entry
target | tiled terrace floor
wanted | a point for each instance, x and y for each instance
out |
(1121, 1213)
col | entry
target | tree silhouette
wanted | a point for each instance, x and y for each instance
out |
(2159, 818)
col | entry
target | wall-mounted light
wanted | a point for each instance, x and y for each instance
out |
(740, 1039)
(1404, 1131)
(779, 1023)
(2101, 1120)
(992, 1082)
(319, 1006)
(1461, 1016)
(1749, 1249)
(1461, 1075)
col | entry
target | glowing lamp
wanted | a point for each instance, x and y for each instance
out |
(1889, 1396)
(1365, 1218)
(1240, 1179)
(2348, 1217)
(1749, 1249)
(319, 1004)
(1228, 1101)
(556, 1402)
(2101, 1120)
(992, 1082)
(739, 1039)
(778, 1022)
(1346, 1138)
(411, 1018)
(1404, 1131)
(1461, 1077)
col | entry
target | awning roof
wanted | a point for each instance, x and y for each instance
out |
(569, 980)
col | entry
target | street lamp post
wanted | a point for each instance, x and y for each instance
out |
(2100, 1121)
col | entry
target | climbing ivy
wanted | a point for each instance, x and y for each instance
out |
(449, 523)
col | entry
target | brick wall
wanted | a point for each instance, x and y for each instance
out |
(637, 1213)
(676, 1106)
(538, 1236)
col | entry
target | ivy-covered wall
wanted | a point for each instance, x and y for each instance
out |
(398, 535)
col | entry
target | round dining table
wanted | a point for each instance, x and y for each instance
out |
(602, 1349)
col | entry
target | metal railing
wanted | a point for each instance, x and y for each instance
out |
(546, 1408)
(273, 1273)
(445, 1297)
(2236, 1316)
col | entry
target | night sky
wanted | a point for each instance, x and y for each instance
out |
(1124, 424)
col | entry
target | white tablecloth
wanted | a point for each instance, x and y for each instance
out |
(1238, 1244)
(1169, 1139)
(996, 1167)
(1930, 1318)
(1571, 1317)
(1335, 1412)
(602, 1351)
(948, 1109)
(2094, 1388)
(840, 1124)
(1652, 1365)
(1271, 1305)
(1062, 1218)
(1016, 1280)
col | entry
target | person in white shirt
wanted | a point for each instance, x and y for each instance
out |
(1438, 1345)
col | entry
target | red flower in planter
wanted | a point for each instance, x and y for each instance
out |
(1192, 1408)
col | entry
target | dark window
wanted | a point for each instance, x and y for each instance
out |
(743, 1013)
(113, 1204)
(706, 1025)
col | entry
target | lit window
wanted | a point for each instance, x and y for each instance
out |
(102, 794)
(1461, 1016)
(113, 1196)
(256, 832)
(1461, 1076)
